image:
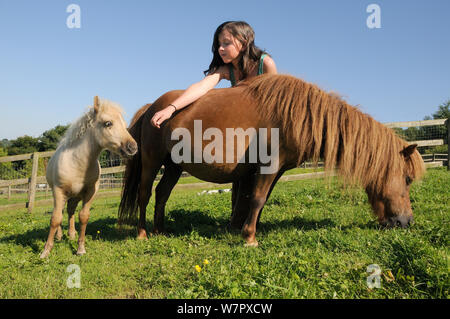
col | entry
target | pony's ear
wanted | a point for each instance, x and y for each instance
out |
(96, 104)
(407, 151)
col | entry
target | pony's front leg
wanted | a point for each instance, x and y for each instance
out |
(171, 175)
(88, 198)
(258, 198)
(243, 190)
(234, 196)
(56, 220)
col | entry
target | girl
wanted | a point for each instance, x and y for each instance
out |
(235, 58)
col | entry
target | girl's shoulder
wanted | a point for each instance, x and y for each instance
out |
(269, 65)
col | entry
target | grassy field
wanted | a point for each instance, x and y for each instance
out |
(316, 241)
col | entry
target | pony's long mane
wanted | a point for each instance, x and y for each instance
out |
(322, 125)
(79, 127)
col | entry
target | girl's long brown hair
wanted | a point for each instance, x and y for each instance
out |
(250, 55)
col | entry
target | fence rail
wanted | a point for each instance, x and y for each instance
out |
(32, 181)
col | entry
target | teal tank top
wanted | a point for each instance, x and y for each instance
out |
(260, 69)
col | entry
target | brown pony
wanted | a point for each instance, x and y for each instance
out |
(310, 124)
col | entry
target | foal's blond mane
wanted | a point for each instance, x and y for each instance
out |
(79, 127)
(322, 125)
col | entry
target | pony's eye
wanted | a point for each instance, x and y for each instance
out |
(408, 180)
(108, 124)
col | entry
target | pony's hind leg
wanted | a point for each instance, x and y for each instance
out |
(56, 220)
(148, 175)
(71, 207)
(88, 198)
(171, 175)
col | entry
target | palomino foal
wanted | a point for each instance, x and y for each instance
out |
(73, 171)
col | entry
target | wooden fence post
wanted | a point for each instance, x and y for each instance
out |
(447, 123)
(32, 183)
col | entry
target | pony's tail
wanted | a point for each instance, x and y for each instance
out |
(132, 177)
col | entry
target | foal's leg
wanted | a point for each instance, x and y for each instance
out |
(59, 233)
(257, 200)
(56, 220)
(88, 198)
(171, 175)
(71, 207)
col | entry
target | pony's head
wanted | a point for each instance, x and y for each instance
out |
(392, 205)
(110, 129)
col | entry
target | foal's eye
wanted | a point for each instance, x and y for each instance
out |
(108, 124)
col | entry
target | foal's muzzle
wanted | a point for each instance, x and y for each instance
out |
(129, 149)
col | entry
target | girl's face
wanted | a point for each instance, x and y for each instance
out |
(229, 47)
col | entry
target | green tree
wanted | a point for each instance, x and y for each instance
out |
(49, 139)
(4, 143)
(443, 112)
(22, 145)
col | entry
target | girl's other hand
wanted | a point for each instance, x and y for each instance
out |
(161, 116)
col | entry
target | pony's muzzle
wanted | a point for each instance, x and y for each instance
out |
(401, 221)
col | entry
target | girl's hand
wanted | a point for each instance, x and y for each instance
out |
(161, 116)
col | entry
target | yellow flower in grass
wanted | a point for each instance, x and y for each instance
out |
(205, 262)
(198, 268)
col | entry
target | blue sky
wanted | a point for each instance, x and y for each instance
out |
(131, 52)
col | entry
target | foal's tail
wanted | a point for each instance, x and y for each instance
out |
(132, 177)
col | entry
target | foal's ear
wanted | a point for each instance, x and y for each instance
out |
(96, 104)
(407, 151)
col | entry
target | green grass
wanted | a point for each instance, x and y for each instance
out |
(316, 241)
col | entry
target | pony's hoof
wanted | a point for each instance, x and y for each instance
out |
(142, 234)
(81, 252)
(251, 244)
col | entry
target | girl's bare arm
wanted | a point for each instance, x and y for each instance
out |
(191, 94)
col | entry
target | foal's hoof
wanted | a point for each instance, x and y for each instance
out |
(81, 252)
(251, 244)
(44, 254)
